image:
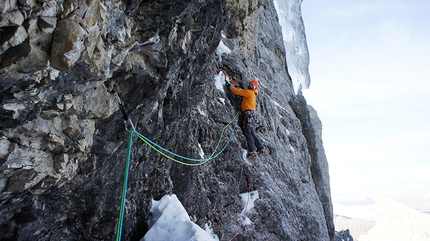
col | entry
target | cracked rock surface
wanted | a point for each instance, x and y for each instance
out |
(63, 141)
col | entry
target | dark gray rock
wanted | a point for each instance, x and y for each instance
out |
(63, 139)
(343, 235)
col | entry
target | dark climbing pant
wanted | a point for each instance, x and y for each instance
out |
(252, 141)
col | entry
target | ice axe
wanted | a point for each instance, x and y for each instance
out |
(226, 81)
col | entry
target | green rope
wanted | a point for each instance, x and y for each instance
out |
(124, 187)
(159, 149)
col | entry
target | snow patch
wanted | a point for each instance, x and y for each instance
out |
(16, 108)
(219, 81)
(152, 40)
(201, 152)
(210, 231)
(292, 149)
(277, 104)
(244, 152)
(170, 221)
(201, 112)
(222, 100)
(222, 49)
(248, 199)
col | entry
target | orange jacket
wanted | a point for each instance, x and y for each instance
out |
(249, 101)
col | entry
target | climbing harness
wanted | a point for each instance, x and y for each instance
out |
(164, 152)
(246, 118)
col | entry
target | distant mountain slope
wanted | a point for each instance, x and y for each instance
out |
(357, 227)
(397, 222)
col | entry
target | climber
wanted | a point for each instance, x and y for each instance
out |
(248, 120)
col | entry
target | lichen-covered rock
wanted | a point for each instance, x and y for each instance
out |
(63, 141)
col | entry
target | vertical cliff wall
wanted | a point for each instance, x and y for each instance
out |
(63, 140)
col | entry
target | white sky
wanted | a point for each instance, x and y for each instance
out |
(369, 67)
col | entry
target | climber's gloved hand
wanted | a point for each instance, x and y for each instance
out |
(235, 83)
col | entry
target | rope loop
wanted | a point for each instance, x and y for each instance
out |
(195, 162)
(162, 151)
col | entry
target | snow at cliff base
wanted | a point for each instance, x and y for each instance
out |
(170, 221)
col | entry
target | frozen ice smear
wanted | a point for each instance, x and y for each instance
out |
(201, 152)
(293, 32)
(248, 199)
(170, 221)
(222, 100)
(222, 49)
(219, 81)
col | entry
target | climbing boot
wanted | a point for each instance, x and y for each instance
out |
(262, 151)
(251, 155)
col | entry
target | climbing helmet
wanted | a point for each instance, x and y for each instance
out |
(254, 83)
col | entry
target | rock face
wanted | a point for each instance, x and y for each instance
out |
(343, 235)
(63, 141)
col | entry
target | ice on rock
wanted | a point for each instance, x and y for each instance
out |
(293, 31)
(219, 81)
(248, 200)
(222, 49)
(170, 221)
